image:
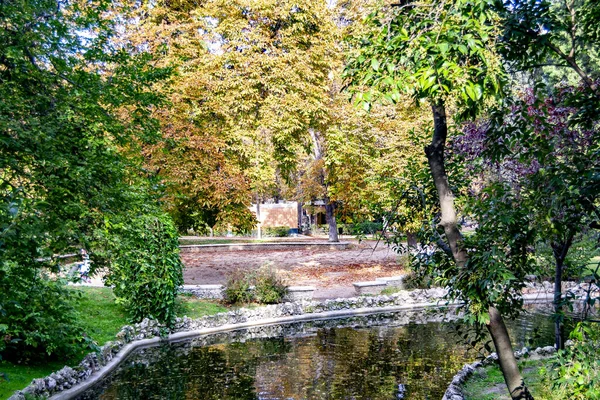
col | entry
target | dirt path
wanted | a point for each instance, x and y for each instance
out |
(331, 271)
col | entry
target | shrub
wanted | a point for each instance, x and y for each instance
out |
(366, 228)
(263, 286)
(277, 231)
(269, 287)
(145, 268)
(238, 288)
(37, 319)
(576, 371)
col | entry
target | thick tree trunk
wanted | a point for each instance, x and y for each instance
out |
(435, 158)
(506, 358)
(560, 251)
(330, 216)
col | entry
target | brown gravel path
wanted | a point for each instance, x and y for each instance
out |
(331, 271)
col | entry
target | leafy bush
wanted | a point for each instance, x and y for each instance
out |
(366, 228)
(277, 231)
(576, 371)
(269, 288)
(238, 288)
(145, 268)
(263, 286)
(37, 319)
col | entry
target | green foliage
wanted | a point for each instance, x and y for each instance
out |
(435, 50)
(238, 287)
(499, 256)
(576, 265)
(269, 288)
(277, 231)
(365, 228)
(576, 371)
(74, 110)
(145, 268)
(37, 319)
(263, 286)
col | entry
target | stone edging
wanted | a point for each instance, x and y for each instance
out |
(195, 248)
(455, 392)
(68, 382)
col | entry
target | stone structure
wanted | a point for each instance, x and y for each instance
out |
(369, 287)
(69, 383)
(297, 293)
(215, 292)
(393, 281)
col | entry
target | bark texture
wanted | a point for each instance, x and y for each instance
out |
(435, 158)
(559, 251)
(331, 222)
(506, 358)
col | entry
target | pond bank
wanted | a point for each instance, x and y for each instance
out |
(69, 382)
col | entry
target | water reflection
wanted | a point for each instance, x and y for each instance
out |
(414, 361)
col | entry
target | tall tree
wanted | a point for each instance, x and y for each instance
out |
(559, 42)
(444, 52)
(75, 108)
(249, 73)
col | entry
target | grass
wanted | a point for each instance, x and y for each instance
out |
(102, 319)
(390, 290)
(488, 383)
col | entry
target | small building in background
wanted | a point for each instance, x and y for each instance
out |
(272, 215)
(298, 217)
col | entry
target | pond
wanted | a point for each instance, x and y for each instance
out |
(383, 356)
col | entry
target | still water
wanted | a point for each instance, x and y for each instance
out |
(385, 356)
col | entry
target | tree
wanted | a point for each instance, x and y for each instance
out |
(445, 53)
(560, 39)
(75, 107)
(253, 79)
(549, 162)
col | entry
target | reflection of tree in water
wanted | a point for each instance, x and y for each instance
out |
(213, 372)
(325, 363)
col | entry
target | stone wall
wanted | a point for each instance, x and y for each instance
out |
(455, 392)
(70, 382)
(96, 364)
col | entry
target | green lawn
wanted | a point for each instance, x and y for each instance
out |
(488, 383)
(102, 319)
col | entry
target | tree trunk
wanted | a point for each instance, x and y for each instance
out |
(559, 250)
(300, 215)
(330, 216)
(259, 225)
(506, 358)
(435, 158)
(411, 239)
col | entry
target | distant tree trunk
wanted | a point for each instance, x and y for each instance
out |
(300, 217)
(330, 216)
(559, 250)
(411, 239)
(259, 230)
(435, 158)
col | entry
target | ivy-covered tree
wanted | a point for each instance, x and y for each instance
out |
(444, 53)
